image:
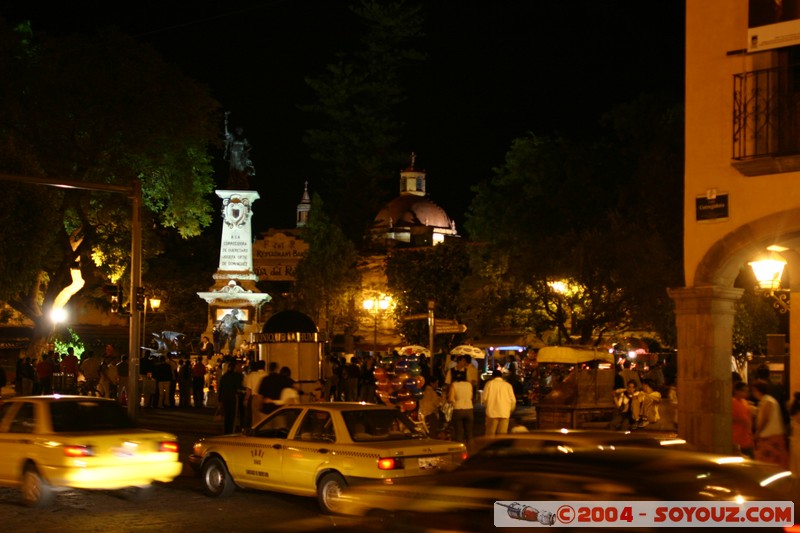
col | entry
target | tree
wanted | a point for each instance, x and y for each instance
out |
(101, 109)
(417, 275)
(357, 99)
(598, 214)
(754, 320)
(177, 275)
(327, 277)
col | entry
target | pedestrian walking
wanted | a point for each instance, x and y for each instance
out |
(500, 401)
(460, 395)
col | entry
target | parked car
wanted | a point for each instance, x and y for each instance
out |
(464, 499)
(52, 443)
(319, 449)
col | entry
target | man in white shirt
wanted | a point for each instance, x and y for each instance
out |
(500, 401)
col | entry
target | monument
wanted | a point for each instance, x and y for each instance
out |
(234, 300)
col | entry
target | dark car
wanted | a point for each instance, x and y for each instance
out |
(535, 441)
(465, 499)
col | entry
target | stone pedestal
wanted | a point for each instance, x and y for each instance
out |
(235, 281)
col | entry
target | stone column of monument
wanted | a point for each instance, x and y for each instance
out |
(234, 300)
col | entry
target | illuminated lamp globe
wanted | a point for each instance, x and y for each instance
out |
(768, 271)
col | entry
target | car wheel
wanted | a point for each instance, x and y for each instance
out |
(329, 492)
(137, 494)
(217, 479)
(36, 491)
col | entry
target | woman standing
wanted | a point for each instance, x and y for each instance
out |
(742, 422)
(770, 435)
(460, 395)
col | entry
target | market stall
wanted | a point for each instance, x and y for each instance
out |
(580, 387)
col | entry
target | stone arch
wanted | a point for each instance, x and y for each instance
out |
(722, 262)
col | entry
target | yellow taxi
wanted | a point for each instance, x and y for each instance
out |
(52, 443)
(319, 449)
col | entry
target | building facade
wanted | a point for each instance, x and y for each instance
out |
(741, 195)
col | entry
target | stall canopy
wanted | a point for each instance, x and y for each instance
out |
(572, 355)
(466, 349)
(507, 340)
(413, 350)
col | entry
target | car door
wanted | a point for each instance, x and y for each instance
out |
(16, 437)
(255, 461)
(310, 447)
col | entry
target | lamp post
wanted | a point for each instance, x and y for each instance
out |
(376, 306)
(562, 289)
(768, 272)
(154, 303)
(58, 315)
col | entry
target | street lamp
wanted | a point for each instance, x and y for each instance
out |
(560, 308)
(154, 304)
(768, 272)
(376, 306)
(58, 315)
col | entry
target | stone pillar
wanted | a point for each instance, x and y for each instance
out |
(704, 319)
(235, 280)
(236, 248)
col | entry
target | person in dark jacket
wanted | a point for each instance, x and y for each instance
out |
(231, 385)
(271, 386)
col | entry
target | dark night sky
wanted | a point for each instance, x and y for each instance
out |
(496, 70)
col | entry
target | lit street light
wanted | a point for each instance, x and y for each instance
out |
(376, 306)
(58, 315)
(154, 304)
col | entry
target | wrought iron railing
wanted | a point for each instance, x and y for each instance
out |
(766, 119)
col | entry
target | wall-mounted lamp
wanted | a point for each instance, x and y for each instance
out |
(768, 272)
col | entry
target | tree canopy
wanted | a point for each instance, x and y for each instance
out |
(419, 275)
(357, 102)
(600, 215)
(104, 109)
(327, 278)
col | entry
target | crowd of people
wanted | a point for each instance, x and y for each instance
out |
(765, 426)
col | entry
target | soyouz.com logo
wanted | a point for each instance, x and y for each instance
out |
(643, 514)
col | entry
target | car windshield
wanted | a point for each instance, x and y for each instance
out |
(88, 415)
(369, 425)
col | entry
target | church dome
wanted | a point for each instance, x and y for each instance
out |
(289, 322)
(412, 217)
(407, 211)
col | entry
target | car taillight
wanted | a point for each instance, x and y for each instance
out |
(168, 446)
(78, 451)
(389, 463)
(464, 456)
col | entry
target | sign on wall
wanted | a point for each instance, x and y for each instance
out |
(276, 255)
(711, 207)
(773, 24)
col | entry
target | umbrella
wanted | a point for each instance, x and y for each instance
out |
(413, 350)
(466, 349)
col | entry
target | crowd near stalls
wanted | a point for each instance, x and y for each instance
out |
(583, 388)
(568, 387)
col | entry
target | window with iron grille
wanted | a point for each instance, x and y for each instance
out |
(766, 110)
